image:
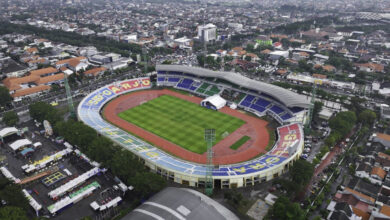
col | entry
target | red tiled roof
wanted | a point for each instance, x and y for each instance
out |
(43, 71)
(95, 71)
(29, 91)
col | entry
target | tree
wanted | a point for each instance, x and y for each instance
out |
(301, 172)
(5, 97)
(10, 118)
(317, 108)
(248, 58)
(13, 195)
(250, 47)
(201, 60)
(147, 183)
(367, 117)
(12, 213)
(41, 111)
(285, 209)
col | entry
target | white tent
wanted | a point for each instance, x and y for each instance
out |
(20, 143)
(215, 100)
(8, 131)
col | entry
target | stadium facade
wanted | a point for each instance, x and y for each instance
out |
(288, 108)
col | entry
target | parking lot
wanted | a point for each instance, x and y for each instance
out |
(57, 174)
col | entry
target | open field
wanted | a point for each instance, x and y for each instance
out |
(240, 142)
(181, 122)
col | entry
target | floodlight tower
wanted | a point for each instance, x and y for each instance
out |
(69, 96)
(209, 136)
(144, 52)
(311, 108)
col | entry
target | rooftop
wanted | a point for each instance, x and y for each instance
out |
(180, 203)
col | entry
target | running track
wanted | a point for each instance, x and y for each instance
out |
(255, 128)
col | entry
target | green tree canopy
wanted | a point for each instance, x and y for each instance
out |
(5, 97)
(201, 60)
(285, 209)
(367, 117)
(10, 118)
(301, 172)
(317, 108)
(12, 213)
(41, 111)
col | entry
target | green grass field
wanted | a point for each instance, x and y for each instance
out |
(240, 142)
(181, 122)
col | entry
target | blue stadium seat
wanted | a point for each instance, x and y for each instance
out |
(262, 102)
(187, 81)
(173, 79)
(257, 108)
(249, 98)
(286, 116)
(161, 79)
(246, 104)
(277, 109)
(161, 72)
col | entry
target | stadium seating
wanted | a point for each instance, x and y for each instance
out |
(185, 83)
(276, 109)
(257, 108)
(249, 98)
(262, 102)
(286, 116)
(160, 79)
(171, 79)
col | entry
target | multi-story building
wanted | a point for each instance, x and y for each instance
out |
(207, 32)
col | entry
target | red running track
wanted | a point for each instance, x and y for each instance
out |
(254, 127)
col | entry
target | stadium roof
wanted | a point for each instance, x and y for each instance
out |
(180, 203)
(287, 97)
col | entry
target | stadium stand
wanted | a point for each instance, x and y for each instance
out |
(257, 101)
(287, 149)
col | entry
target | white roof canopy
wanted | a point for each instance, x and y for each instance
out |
(8, 131)
(20, 143)
(216, 100)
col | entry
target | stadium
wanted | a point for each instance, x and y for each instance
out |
(163, 122)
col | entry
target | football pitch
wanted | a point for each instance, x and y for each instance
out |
(181, 122)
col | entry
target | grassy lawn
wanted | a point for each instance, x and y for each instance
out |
(181, 122)
(240, 142)
(272, 139)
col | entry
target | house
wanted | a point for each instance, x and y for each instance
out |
(265, 52)
(75, 64)
(300, 56)
(319, 76)
(253, 57)
(341, 210)
(32, 50)
(278, 45)
(378, 174)
(44, 72)
(370, 67)
(363, 170)
(329, 68)
(383, 139)
(95, 71)
(281, 72)
(32, 91)
(35, 83)
(100, 59)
